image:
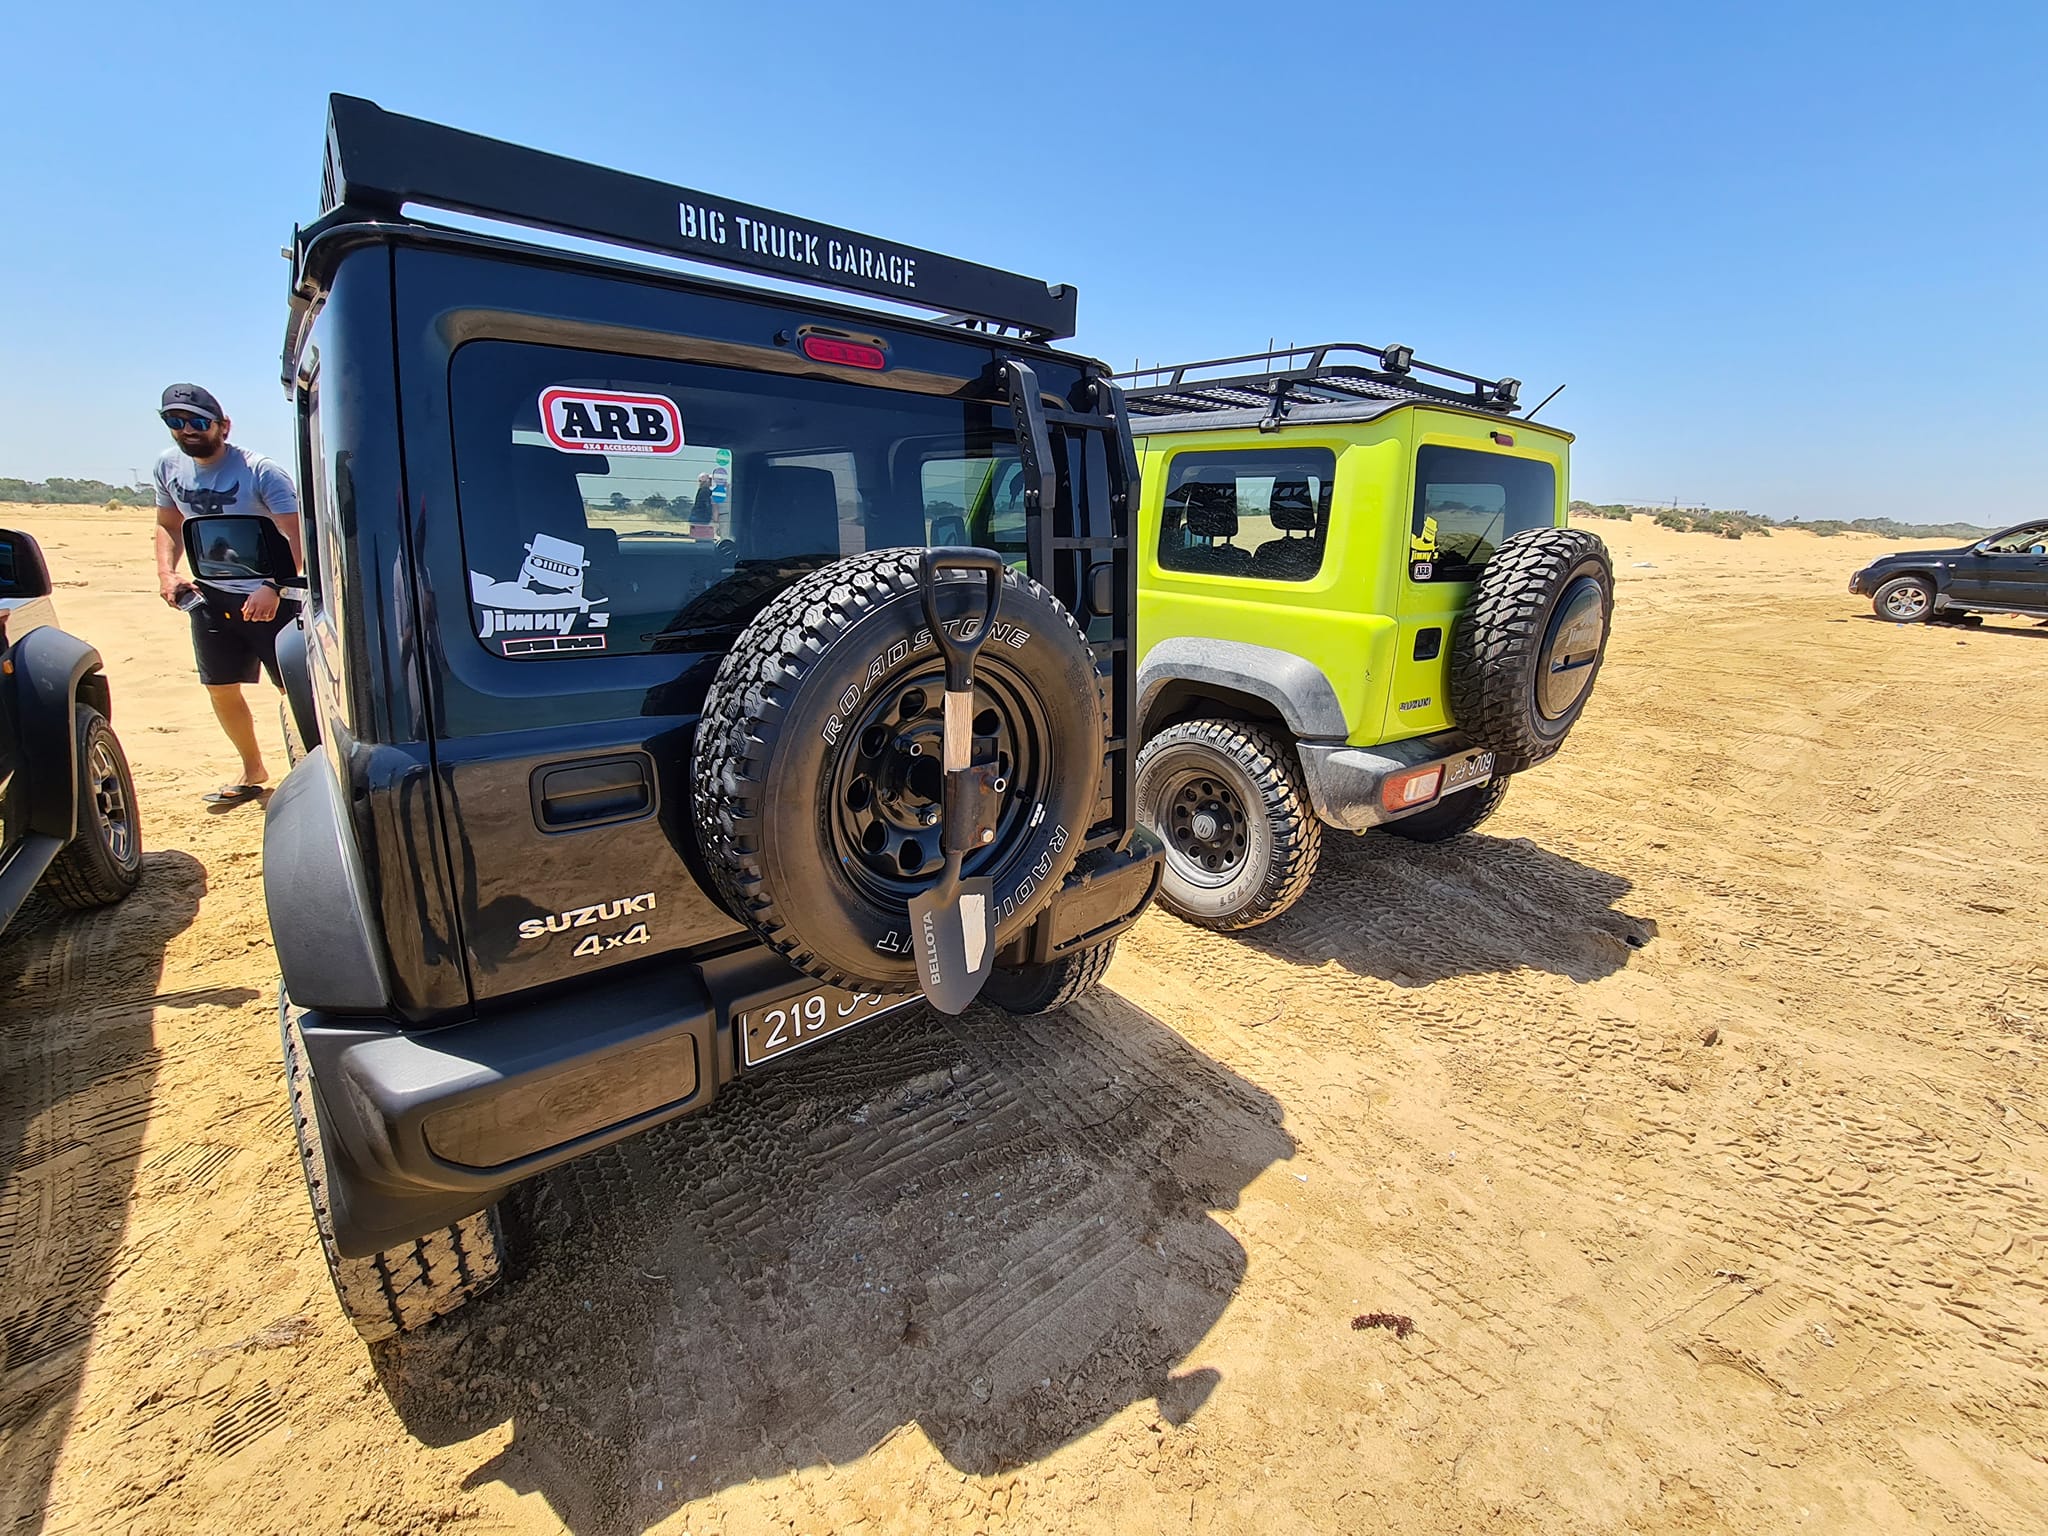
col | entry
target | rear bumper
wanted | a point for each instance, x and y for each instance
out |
(427, 1126)
(1345, 783)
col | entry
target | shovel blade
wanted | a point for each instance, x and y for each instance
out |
(955, 942)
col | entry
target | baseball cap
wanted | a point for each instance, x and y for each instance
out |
(191, 397)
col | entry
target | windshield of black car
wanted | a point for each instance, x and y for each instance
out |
(2016, 541)
(1467, 502)
(613, 505)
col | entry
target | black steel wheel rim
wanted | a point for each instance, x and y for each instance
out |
(884, 792)
(1206, 828)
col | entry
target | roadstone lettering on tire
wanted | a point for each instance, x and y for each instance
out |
(1526, 651)
(1241, 838)
(817, 782)
(402, 1288)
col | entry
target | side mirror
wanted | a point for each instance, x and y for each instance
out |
(238, 547)
(22, 571)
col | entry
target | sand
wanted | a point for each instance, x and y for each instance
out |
(1692, 1113)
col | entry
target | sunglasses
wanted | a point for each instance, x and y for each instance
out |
(182, 423)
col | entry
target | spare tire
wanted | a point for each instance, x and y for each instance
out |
(817, 781)
(1530, 642)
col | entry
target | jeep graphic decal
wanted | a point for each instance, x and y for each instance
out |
(538, 612)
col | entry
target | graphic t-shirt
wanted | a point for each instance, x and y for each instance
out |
(237, 482)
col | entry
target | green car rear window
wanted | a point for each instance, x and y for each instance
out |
(1475, 501)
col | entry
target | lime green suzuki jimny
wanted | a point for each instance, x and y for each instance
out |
(1358, 607)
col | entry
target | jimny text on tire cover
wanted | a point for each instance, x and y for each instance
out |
(786, 242)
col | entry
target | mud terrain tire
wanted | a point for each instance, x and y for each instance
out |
(1030, 989)
(402, 1288)
(1452, 816)
(1241, 837)
(817, 756)
(1526, 652)
(103, 860)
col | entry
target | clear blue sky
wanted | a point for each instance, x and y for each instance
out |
(1787, 257)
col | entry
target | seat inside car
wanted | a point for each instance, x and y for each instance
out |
(1298, 553)
(1211, 516)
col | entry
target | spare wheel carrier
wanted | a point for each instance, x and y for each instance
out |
(817, 782)
(1529, 645)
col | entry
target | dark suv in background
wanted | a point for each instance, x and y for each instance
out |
(2005, 573)
(67, 802)
(638, 713)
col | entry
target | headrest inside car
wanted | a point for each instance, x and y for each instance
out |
(1211, 509)
(1293, 508)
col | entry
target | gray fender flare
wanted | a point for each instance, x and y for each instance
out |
(328, 946)
(49, 666)
(1296, 688)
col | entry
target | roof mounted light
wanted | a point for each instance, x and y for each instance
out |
(1397, 359)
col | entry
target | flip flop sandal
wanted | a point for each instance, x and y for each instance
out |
(233, 794)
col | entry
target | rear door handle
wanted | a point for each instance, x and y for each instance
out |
(593, 791)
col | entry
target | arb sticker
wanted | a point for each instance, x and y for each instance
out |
(608, 421)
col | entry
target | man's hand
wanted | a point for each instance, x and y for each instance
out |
(260, 605)
(172, 586)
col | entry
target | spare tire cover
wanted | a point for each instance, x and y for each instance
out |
(1529, 645)
(817, 780)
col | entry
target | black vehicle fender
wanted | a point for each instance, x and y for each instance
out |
(1937, 575)
(52, 671)
(321, 917)
(1296, 689)
(295, 670)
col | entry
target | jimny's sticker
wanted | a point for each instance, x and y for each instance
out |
(610, 421)
(542, 611)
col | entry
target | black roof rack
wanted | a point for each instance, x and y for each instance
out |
(377, 161)
(1283, 382)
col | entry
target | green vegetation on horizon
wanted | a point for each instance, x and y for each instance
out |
(60, 492)
(1734, 524)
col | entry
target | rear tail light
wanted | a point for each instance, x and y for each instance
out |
(850, 354)
(1404, 791)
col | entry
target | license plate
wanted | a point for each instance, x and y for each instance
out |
(1466, 772)
(773, 1029)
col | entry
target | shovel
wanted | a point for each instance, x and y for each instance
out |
(953, 925)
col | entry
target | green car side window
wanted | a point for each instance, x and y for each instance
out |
(1275, 500)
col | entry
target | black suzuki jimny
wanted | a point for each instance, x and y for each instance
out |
(688, 671)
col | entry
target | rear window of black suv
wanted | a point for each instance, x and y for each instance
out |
(620, 505)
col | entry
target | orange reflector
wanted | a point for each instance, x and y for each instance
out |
(854, 354)
(1404, 790)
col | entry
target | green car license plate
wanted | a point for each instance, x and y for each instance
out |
(774, 1029)
(1467, 771)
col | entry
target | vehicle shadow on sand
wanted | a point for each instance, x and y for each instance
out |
(997, 1229)
(1994, 624)
(1416, 913)
(78, 1068)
